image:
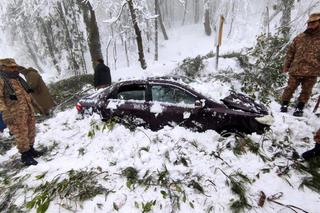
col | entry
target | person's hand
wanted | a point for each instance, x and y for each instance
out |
(8, 118)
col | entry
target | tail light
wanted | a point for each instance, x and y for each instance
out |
(79, 107)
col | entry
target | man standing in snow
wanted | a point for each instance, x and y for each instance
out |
(17, 110)
(315, 152)
(303, 65)
(102, 77)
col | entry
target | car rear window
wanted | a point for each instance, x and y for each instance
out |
(132, 92)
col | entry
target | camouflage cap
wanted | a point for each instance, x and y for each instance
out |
(8, 62)
(314, 17)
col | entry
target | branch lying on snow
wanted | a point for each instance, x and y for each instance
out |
(214, 154)
(278, 195)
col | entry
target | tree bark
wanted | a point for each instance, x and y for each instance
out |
(196, 11)
(93, 31)
(286, 6)
(50, 43)
(74, 63)
(185, 5)
(138, 35)
(158, 12)
(82, 47)
(207, 24)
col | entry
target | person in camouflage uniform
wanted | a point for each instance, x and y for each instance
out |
(315, 152)
(17, 110)
(303, 65)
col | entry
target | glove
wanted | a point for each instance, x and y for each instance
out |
(8, 118)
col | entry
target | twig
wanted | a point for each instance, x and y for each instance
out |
(217, 156)
(276, 196)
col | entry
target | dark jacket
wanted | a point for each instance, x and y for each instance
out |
(102, 75)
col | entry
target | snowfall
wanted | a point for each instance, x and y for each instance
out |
(189, 159)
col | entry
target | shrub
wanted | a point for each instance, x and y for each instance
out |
(68, 91)
(192, 66)
(265, 75)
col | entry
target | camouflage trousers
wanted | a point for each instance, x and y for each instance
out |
(23, 128)
(317, 136)
(307, 84)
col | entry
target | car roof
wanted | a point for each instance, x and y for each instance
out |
(175, 80)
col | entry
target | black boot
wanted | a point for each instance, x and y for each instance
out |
(34, 153)
(308, 155)
(27, 159)
(299, 110)
(284, 106)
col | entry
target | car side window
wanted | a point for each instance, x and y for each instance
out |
(165, 93)
(132, 92)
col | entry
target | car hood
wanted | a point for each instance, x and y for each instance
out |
(244, 103)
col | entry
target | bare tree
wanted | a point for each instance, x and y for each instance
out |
(93, 31)
(138, 34)
(185, 6)
(286, 7)
(207, 24)
(158, 12)
(74, 64)
(196, 11)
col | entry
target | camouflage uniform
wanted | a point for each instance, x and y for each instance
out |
(303, 63)
(21, 110)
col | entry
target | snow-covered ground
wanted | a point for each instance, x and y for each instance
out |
(185, 159)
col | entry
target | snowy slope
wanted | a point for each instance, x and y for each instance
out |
(185, 168)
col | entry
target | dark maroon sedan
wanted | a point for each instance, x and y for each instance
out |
(156, 102)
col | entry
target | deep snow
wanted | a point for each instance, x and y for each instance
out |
(116, 149)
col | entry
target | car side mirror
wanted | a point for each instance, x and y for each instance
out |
(199, 103)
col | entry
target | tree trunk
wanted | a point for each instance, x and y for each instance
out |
(115, 54)
(287, 6)
(138, 35)
(232, 17)
(207, 24)
(50, 43)
(74, 64)
(196, 11)
(79, 35)
(185, 5)
(126, 51)
(31, 51)
(93, 31)
(158, 12)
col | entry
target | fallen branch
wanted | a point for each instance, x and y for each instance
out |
(277, 196)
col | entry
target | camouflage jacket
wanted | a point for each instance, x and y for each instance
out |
(303, 55)
(12, 106)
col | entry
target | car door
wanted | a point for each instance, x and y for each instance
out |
(170, 105)
(129, 104)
